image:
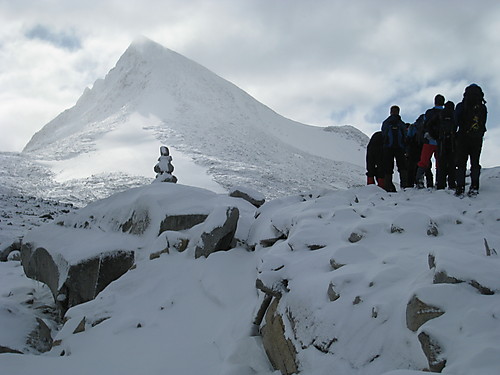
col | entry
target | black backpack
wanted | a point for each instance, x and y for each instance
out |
(474, 110)
(447, 126)
(473, 95)
(419, 130)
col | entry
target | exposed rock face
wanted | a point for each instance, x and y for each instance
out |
(40, 338)
(218, 233)
(6, 349)
(280, 350)
(72, 284)
(444, 276)
(181, 222)
(418, 313)
(251, 196)
(355, 237)
(332, 294)
(38, 264)
(432, 351)
(275, 290)
(137, 224)
(4, 254)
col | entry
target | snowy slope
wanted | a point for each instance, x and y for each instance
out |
(180, 315)
(155, 96)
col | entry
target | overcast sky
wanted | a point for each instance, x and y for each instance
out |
(318, 62)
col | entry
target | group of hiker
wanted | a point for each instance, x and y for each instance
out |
(453, 135)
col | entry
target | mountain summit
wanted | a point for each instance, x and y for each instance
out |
(155, 96)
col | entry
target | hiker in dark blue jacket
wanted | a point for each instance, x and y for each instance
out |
(393, 130)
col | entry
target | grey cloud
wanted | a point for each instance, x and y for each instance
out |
(62, 39)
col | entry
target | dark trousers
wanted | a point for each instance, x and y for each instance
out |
(394, 153)
(389, 155)
(375, 166)
(446, 164)
(469, 147)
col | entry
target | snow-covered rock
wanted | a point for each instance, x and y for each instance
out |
(218, 231)
(75, 271)
(85, 251)
(383, 280)
(249, 194)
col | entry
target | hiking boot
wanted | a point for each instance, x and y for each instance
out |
(473, 192)
(419, 178)
(459, 191)
(389, 186)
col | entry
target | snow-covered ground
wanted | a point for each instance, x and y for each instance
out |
(177, 314)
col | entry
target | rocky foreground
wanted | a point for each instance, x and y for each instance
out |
(355, 281)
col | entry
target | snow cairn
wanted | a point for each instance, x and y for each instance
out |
(164, 167)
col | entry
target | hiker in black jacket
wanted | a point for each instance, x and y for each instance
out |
(470, 116)
(375, 160)
(446, 147)
(393, 131)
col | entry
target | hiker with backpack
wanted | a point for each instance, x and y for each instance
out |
(414, 143)
(446, 148)
(375, 160)
(470, 117)
(431, 135)
(393, 132)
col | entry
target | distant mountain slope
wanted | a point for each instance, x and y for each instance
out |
(156, 96)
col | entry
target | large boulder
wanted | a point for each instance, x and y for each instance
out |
(86, 250)
(218, 231)
(74, 272)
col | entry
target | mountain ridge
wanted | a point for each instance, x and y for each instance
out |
(173, 100)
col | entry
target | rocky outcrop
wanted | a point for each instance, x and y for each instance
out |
(280, 350)
(433, 352)
(40, 338)
(250, 195)
(181, 222)
(14, 246)
(137, 224)
(218, 231)
(445, 272)
(6, 349)
(74, 283)
(419, 312)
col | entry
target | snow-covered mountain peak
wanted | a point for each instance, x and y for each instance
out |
(156, 96)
